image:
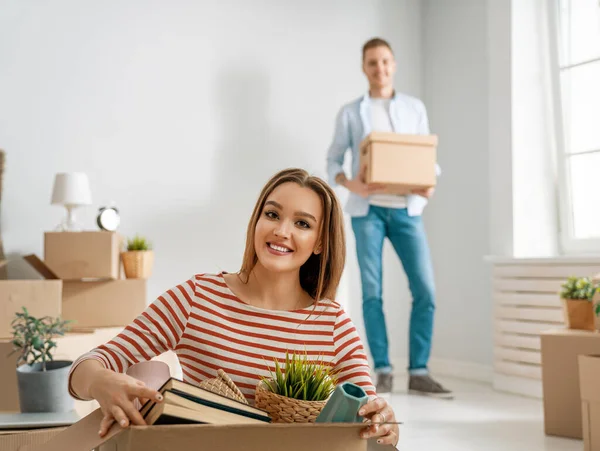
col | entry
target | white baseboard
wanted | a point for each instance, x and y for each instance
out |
(470, 371)
(531, 388)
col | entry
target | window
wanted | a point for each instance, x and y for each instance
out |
(576, 29)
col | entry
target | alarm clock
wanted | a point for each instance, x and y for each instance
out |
(108, 218)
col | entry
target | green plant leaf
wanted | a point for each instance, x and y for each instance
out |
(33, 337)
(301, 378)
(138, 243)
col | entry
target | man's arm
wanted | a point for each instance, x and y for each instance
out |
(424, 130)
(337, 150)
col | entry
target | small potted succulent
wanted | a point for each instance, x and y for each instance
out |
(138, 259)
(42, 381)
(297, 391)
(577, 294)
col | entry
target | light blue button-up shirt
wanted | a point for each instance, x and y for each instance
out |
(408, 116)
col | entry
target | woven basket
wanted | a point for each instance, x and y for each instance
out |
(137, 264)
(287, 410)
(223, 385)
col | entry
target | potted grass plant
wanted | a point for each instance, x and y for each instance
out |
(138, 258)
(42, 381)
(577, 294)
(297, 391)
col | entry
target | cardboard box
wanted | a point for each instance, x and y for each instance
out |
(403, 162)
(83, 255)
(589, 381)
(9, 393)
(106, 303)
(83, 436)
(16, 440)
(560, 378)
(40, 297)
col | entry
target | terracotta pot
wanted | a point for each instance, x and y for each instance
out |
(137, 264)
(579, 314)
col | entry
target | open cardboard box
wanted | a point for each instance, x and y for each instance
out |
(41, 297)
(402, 162)
(83, 436)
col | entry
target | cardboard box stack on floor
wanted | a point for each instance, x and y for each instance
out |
(589, 383)
(95, 294)
(561, 349)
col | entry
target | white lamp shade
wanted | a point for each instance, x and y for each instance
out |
(71, 189)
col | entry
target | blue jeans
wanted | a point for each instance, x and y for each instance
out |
(408, 238)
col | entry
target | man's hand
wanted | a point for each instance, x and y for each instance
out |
(425, 192)
(358, 185)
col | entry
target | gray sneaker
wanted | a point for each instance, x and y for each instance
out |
(385, 382)
(427, 386)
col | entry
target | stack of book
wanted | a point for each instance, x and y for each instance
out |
(184, 403)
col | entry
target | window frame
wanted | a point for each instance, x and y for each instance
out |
(569, 243)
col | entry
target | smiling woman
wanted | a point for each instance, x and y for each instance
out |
(281, 300)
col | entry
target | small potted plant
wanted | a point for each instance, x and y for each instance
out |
(577, 294)
(42, 381)
(297, 392)
(138, 258)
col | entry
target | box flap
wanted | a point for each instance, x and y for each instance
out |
(589, 377)
(40, 267)
(415, 140)
(82, 436)
(19, 439)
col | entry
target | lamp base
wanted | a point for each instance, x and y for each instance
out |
(69, 223)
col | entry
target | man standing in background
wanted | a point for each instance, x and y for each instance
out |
(376, 216)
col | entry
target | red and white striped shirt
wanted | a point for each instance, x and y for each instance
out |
(208, 327)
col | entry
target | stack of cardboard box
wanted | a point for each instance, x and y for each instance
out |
(570, 377)
(95, 294)
(81, 280)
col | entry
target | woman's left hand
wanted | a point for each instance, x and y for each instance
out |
(379, 411)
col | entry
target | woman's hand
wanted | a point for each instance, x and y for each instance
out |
(116, 392)
(379, 411)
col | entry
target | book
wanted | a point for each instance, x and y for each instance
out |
(176, 409)
(200, 397)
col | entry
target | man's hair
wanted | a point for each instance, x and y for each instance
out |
(375, 42)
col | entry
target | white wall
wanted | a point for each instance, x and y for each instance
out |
(455, 37)
(535, 191)
(180, 111)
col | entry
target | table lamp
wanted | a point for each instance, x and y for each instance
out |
(71, 190)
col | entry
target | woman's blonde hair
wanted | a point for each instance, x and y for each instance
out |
(320, 275)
